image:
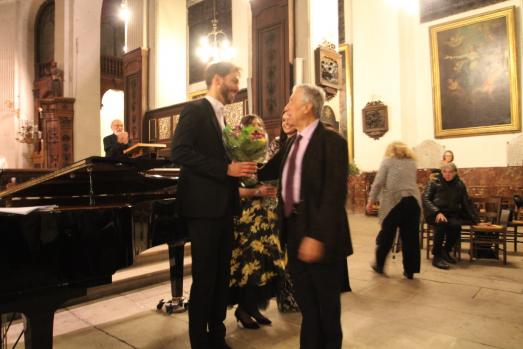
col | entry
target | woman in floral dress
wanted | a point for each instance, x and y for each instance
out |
(257, 260)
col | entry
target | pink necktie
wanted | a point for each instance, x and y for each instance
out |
(289, 181)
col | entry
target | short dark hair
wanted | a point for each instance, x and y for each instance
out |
(219, 68)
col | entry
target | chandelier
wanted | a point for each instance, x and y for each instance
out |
(215, 46)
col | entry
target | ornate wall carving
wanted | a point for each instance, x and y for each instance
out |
(135, 71)
(272, 49)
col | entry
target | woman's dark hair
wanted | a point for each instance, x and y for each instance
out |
(450, 152)
(249, 119)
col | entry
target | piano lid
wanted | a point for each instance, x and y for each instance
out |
(108, 177)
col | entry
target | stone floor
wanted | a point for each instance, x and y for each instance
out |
(473, 305)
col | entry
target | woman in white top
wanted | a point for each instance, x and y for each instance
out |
(400, 202)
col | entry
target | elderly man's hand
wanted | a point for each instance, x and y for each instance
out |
(311, 250)
(440, 218)
(122, 137)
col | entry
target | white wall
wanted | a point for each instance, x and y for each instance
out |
(242, 38)
(16, 77)
(85, 77)
(169, 58)
(392, 63)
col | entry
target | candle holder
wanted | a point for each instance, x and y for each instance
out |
(28, 133)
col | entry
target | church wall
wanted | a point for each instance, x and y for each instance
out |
(242, 38)
(16, 77)
(170, 53)
(85, 77)
(376, 75)
(8, 116)
(392, 63)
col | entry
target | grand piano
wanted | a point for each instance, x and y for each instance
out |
(104, 213)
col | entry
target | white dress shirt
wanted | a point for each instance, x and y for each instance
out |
(306, 135)
(218, 110)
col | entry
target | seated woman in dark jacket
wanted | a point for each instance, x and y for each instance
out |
(446, 203)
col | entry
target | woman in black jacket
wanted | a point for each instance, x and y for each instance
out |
(446, 203)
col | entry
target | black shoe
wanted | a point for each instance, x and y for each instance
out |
(448, 258)
(245, 320)
(439, 263)
(409, 276)
(222, 345)
(377, 269)
(262, 320)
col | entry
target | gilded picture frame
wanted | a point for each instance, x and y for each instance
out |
(475, 75)
(346, 98)
(197, 94)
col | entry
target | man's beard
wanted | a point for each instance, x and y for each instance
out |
(224, 91)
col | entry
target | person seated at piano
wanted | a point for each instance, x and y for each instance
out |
(117, 142)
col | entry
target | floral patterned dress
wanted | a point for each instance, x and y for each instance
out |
(257, 258)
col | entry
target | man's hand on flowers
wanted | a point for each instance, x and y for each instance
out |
(241, 169)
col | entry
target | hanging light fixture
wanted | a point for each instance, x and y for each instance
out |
(124, 15)
(215, 46)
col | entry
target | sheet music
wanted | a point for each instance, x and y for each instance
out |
(26, 210)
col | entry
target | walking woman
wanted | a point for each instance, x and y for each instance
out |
(400, 202)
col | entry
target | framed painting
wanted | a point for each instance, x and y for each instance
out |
(434, 9)
(346, 105)
(475, 75)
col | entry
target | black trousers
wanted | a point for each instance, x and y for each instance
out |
(405, 216)
(317, 288)
(211, 245)
(448, 232)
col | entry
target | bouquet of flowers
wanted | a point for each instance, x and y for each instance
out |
(247, 141)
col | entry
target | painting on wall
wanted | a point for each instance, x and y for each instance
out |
(434, 9)
(474, 75)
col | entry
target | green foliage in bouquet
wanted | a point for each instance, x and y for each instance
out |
(247, 143)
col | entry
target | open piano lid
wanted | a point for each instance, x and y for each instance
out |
(107, 176)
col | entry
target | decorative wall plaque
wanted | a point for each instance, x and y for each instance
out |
(233, 113)
(375, 119)
(164, 128)
(328, 68)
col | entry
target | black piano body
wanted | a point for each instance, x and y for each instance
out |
(107, 211)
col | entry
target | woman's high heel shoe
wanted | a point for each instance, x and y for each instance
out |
(262, 320)
(244, 320)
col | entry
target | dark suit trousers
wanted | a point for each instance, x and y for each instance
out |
(211, 245)
(405, 216)
(449, 232)
(317, 288)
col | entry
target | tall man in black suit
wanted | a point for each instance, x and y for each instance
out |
(208, 198)
(315, 226)
(117, 142)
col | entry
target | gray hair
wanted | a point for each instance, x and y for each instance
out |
(314, 95)
(449, 166)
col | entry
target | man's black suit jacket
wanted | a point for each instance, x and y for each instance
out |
(204, 189)
(321, 211)
(112, 148)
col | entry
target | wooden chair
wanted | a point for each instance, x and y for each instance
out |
(517, 221)
(483, 237)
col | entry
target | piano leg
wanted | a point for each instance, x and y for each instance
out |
(176, 253)
(178, 303)
(38, 314)
(39, 328)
